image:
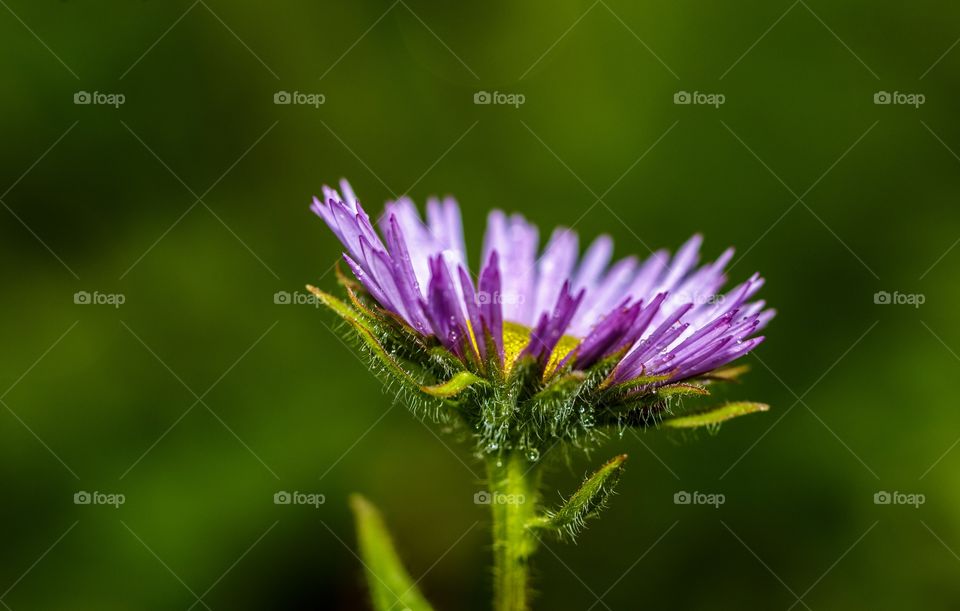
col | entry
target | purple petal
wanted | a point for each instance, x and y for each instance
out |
(491, 311)
(473, 312)
(555, 268)
(406, 279)
(443, 307)
(550, 328)
(606, 336)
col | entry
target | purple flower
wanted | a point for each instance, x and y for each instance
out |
(663, 318)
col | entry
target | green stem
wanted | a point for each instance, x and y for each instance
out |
(513, 500)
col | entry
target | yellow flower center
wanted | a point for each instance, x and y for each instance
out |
(515, 339)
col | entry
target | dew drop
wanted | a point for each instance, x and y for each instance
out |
(533, 454)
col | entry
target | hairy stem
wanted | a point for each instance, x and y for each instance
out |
(513, 499)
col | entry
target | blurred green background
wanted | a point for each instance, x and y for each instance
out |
(199, 397)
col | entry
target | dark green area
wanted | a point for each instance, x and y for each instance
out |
(199, 398)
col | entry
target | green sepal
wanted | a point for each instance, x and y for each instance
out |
(390, 584)
(714, 415)
(585, 503)
(454, 386)
(525, 373)
(341, 309)
(388, 361)
(633, 384)
(726, 374)
(682, 389)
(559, 388)
(601, 373)
(365, 331)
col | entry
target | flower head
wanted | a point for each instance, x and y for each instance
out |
(540, 343)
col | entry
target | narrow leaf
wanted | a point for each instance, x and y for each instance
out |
(714, 415)
(586, 502)
(454, 386)
(390, 584)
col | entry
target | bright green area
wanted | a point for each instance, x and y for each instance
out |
(200, 398)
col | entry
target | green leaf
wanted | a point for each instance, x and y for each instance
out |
(390, 585)
(585, 503)
(714, 415)
(454, 386)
